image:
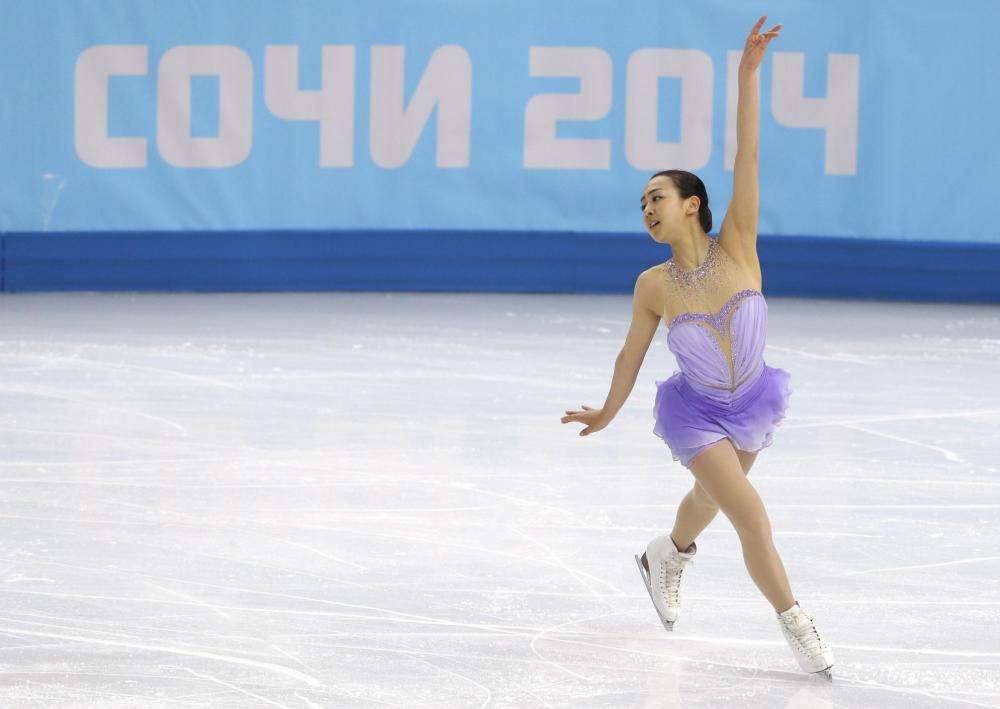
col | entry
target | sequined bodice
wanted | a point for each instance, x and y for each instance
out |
(721, 353)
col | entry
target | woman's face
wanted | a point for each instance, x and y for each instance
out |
(659, 206)
(663, 210)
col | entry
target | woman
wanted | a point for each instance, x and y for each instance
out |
(721, 408)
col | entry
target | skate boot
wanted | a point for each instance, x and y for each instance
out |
(661, 566)
(812, 654)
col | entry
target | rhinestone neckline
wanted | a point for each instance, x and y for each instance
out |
(685, 275)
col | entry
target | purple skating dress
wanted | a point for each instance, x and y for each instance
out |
(724, 389)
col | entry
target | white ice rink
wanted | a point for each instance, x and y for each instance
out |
(366, 500)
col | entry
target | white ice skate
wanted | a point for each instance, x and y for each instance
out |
(810, 651)
(661, 566)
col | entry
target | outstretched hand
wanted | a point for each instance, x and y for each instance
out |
(753, 51)
(594, 418)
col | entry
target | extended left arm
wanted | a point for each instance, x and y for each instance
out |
(745, 205)
(738, 234)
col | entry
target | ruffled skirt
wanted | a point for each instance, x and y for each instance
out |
(689, 422)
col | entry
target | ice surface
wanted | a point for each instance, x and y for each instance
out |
(364, 500)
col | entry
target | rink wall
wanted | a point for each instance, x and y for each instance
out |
(449, 145)
(536, 262)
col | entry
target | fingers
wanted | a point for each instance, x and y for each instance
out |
(584, 431)
(771, 33)
(762, 40)
(579, 417)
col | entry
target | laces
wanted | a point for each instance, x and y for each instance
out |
(670, 580)
(807, 636)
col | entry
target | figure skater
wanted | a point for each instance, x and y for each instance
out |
(720, 410)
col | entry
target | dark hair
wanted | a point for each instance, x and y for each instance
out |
(690, 185)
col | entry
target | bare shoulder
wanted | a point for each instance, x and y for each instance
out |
(742, 250)
(649, 288)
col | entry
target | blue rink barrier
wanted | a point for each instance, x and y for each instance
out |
(476, 261)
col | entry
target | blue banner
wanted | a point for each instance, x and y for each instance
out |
(878, 120)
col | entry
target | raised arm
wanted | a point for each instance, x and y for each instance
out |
(738, 234)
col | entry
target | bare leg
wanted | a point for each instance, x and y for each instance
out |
(698, 509)
(720, 474)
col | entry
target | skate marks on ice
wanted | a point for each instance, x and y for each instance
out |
(348, 500)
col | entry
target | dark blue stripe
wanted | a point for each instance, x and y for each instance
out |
(497, 261)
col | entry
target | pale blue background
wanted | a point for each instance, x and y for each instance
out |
(927, 144)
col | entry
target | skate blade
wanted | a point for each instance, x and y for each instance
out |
(827, 673)
(644, 572)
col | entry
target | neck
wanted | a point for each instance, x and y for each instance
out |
(690, 250)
